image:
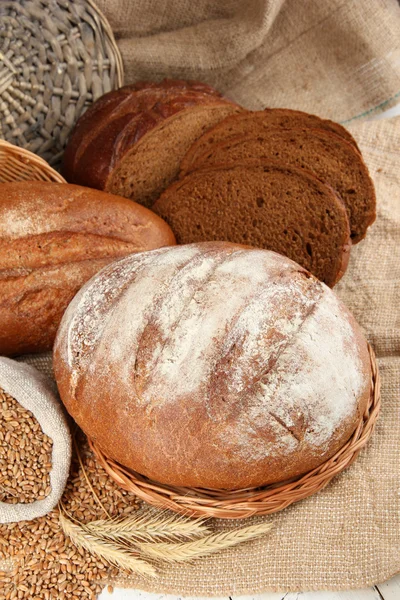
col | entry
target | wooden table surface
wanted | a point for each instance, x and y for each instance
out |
(390, 590)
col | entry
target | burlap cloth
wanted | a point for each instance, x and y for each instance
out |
(37, 393)
(339, 59)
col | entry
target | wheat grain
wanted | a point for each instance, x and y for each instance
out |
(25, 454)
(40, 555)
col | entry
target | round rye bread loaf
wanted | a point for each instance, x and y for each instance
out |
(212, 365)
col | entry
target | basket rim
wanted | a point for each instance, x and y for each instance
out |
(20, 164)
(238, 504)
(111, 38)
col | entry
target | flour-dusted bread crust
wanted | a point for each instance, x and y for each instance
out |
(129, 143)
(265, 205)
(53, 238)
(248, 122)
(212, 365)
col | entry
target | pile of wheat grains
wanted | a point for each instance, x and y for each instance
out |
(25, 454)
(39, 562)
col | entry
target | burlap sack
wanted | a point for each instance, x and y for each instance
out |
(36, 393)
(338, 58)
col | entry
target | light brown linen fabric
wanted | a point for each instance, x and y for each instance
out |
(337, 58)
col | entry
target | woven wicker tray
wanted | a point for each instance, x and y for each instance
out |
(56, 58)
(238, 504)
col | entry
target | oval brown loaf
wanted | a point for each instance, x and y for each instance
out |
(249, 122)
(131, 141)
(265, 205)
(174, 381)
(324, 153)
(53, 238)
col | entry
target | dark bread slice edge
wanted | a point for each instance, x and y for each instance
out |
(170, 195)
(359, 219)
(298, 119)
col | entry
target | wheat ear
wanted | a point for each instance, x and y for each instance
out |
(149, 526)
(104, 549)
(186, 551)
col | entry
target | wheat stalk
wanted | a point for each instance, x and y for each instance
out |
(172, 552)
(110, 552)
(78, 453)
(149, 526)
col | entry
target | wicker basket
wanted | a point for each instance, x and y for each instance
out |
(239, 504)
(56, 58)
(17, 164)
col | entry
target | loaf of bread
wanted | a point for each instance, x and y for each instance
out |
(265, 205)
(323, 153)
(212, 365)
(257, 122)
(131, 141)
(53, 238)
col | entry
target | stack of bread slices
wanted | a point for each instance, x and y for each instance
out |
(278, 179)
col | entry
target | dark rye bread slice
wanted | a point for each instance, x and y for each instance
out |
(145, 168)
(255, 122)
(121, 106)
(116, 144)
(328, 156)
(264, 205)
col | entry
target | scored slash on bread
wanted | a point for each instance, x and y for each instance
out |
(262, 204)
(322, 152)
(116, 145)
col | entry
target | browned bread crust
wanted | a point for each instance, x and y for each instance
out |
(212, 365)
(266, 205)
(249, 122)
(328, 156)
(119, 119)
(53, 238)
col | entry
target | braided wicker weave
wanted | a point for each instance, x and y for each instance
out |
(56, 58)
(239, 504)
